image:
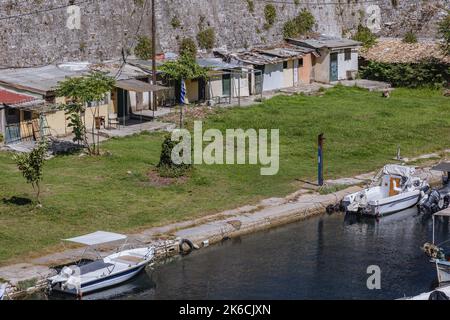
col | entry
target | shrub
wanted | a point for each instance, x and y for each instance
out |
(410, 37)
(270, 13)
(188, 47)
(166, 167)
(1, 138)
(251, 6)
(176, 23)
(300, 25)
(365, 36)
(206, 38)
(430, 73)
(143, 49)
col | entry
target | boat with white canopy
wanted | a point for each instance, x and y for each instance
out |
(393, 189)
(104, 272)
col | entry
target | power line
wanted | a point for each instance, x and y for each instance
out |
(125, 54)
(27, 14)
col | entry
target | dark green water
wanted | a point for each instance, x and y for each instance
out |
(320, 258)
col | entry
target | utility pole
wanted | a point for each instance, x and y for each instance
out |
(154, 55)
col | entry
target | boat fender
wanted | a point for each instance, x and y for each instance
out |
(186, 246)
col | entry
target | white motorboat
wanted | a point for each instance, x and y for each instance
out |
(2, 291)
(394, 189)
(441, 293)
(439, 257)
(104, 272)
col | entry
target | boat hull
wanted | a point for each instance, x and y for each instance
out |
(394, 204)
(101, 283)
(443, 271)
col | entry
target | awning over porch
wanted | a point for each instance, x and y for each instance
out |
(139, 86)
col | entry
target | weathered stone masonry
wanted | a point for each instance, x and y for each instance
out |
(110, 26)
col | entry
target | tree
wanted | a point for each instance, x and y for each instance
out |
(185, 68)
(81, 92)
(31, 165)
(444, 32)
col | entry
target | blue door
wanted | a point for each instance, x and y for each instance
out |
(334, 67)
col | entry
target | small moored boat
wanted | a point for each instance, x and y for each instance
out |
(2, 291)
(104, 272)
(394, 189)
(439, 257)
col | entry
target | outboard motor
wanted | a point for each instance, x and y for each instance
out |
(430, 205)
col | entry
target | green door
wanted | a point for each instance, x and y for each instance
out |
(334, 67)
(226, 85)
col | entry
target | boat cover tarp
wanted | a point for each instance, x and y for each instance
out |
(99, 237)
(394, 169)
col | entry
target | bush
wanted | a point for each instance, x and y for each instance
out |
(206, 38)
(166, 167)
(425, 74)
(365, 36)
(176, 23)
(300, 25)
(410, 37)
(143, 49)
(270, 13)
(1, 138)
(188, 47)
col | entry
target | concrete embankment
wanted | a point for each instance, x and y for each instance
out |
(30, 276)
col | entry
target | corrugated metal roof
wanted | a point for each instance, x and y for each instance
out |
(325, 42)
(41, 80)
(267, 55)
(216, 64)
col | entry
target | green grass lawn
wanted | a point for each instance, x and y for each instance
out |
(83, 194)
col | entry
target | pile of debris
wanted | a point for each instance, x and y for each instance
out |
(396, 51)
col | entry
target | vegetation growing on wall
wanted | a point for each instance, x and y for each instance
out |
(300, 25)
(270, 14)
(365, 36)
(444, 32)
(175, 22)
(410, 37)
(143, 49)
(206, 38)
(425, 74)
(251, 6)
